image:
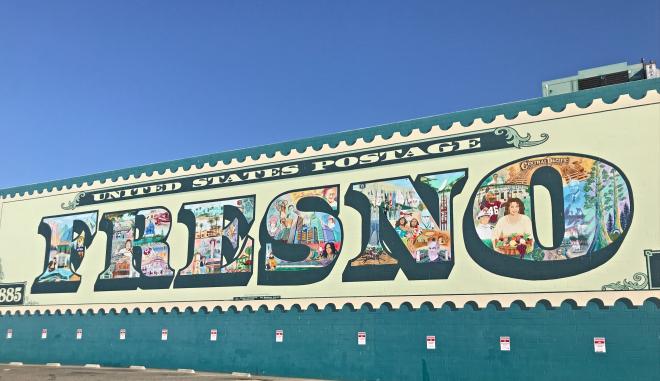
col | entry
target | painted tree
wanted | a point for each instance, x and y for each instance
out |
(607, 193)
(594, 189)
(426, 180)
(610, 223)
(620, 194)
(625, 216)
(612, 194)
(615, 193)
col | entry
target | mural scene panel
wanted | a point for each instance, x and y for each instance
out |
(319, 231)
(597, 208)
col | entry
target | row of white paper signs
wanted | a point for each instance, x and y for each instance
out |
(505, 341)
(599, 344)
(122, 334)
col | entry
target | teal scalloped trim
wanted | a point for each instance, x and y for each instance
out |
(623, 303)
(583, 99)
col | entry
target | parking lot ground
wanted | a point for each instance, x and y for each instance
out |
(80, 373)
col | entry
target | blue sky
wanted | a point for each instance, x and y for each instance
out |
(89, 86)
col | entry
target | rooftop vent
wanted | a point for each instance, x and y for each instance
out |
(603, 80)
(601, 76)
(650, 70)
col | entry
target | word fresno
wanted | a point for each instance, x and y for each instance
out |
(406, 225)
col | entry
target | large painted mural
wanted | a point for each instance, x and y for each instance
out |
(545, 207)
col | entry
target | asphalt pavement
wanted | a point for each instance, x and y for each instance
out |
(80, 373)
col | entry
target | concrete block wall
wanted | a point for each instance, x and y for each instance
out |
(546, 343)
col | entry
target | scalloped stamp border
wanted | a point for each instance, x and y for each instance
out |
(553, 300)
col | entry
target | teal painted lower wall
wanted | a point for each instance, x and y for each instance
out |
(546, 343)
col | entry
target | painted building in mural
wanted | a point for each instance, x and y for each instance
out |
(540, 201)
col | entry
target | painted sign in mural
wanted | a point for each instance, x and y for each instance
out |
(480, 211)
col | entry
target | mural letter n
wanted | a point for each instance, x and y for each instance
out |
(405, 225)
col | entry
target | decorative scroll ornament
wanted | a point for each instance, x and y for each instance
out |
(514, 138)
(641, 281)
(71, 205)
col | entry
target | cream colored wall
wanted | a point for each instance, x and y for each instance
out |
(626, 133)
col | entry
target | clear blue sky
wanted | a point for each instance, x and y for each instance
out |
(89, 86)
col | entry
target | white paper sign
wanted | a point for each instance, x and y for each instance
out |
(599, 345)
(505, 343)
(44, 333)
(79, 334)
(10, 333)
(279, 336)
(430, 342)
(163, 334)
(362, 338)
(214, 335)
(122, 334)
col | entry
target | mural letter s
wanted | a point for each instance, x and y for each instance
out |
(301, 237)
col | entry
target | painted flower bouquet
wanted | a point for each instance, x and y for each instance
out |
(514, 244)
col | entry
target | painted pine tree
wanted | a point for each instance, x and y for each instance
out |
(620, 194)
(615, 194)
(626, 217)
(594, 189)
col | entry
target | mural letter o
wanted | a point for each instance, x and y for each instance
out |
(592, 209)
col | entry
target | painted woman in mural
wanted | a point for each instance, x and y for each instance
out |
(330, 251)
(282, 232)
(124, 266)
(414, 230)
(401, 227)
(513, 233)
(127, 250)
(485, 228)
(330, 196)
(274, 226)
